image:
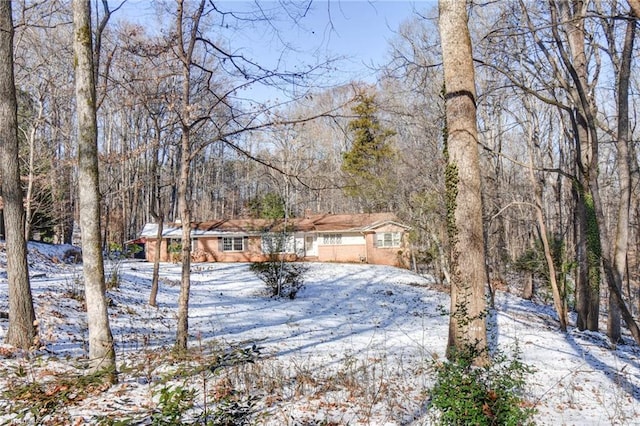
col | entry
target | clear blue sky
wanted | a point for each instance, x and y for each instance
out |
(358, 30)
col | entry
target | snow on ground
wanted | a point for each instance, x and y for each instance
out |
(374, 324)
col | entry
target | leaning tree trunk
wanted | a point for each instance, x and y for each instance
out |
(558, 296)
(22, 329)
(101, 350)
(467, 326)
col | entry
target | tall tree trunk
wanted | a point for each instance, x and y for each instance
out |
(185, 55)
(22, 329)
(28, 214)
(582, 270)
(156, 213)
(571, 19)
(31, 177)
(589, 257)
(467, 324)
(101, 349)
(621, 244)
(573, 16)
(155, 278)
(182, 332)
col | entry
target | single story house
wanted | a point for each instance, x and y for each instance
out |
(376, 238)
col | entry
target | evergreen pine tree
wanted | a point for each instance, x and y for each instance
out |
(368, 164)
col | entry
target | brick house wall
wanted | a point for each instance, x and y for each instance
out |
(150, 250)
(351, 247)
(360, 238)
(214, 253)
(342, 253)
(393, 256)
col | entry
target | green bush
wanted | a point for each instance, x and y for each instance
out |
(465, 394)
(283, 279)
(173, 404)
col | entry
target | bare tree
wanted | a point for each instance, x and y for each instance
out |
(622, 68)
(44, 81)
(559, 301)
(412, 99)
(156, 211)
(101, 349)
(572, 16)
(22, 329)
(207, 112)
(185, 48)
(554, 58)
(467, 325)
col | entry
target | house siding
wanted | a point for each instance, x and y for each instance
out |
(342, 253)
(351, 248)
(393, 256)
(150, 251)
(211, 247)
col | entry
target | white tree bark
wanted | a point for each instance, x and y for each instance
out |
(101, 350)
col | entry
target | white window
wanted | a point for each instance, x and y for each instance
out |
(278, 243)
(388, 239)
(233, 244)
(332, 239)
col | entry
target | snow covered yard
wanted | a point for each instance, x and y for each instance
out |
(353, 347)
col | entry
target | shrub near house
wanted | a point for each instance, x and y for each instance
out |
(376, 238)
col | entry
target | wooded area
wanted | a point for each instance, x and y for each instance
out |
(181, 138)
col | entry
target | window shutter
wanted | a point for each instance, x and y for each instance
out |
(245, 243)
(220, 245)
(375, 240)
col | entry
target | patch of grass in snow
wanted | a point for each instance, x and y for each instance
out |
(40, 396)
(355, 389)
(237, 386)
(192, 387)
(74, 287)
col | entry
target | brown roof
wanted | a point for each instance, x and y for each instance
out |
(319, 222)
(252, 225)
(350, 222)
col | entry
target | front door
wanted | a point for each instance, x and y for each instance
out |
(310, 246)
